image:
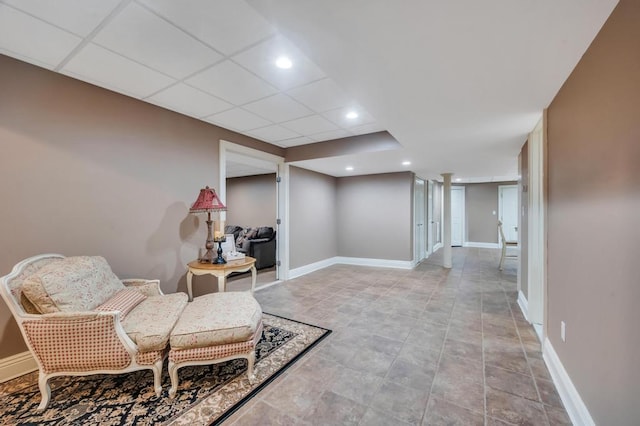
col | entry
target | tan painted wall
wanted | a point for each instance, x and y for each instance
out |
(88, 171)
(252, 200)
(481, 201)
(375, 216)
(312, 216)
(594, 209)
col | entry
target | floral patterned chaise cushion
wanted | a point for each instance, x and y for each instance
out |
(72, 284)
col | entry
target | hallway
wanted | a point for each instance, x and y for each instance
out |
(421, 347)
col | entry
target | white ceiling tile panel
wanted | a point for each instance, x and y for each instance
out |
(141, 35)
(366, 128)
(238, 119)
(78, 16)
(310, 125)
(189, 101)
(234, 169)
(273, 133)
(27, 38)
(339, 117)
(261, 60)
(231, 83)
(334, 134)
(321, 95)
(302, 140)
(107, 69)
(226, 25)
(278, 108)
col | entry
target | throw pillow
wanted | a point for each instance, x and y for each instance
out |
(123, 301)
(79, 283)
(245, 235)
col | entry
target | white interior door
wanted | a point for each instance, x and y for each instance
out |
(419, 221)
(457, 216)
(508, 211)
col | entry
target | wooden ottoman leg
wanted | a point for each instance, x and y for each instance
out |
(157, 376)
(45, 390)
(251, 359)
(173, 374)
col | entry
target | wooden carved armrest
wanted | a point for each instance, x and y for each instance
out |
(146, 287)
(79, 341)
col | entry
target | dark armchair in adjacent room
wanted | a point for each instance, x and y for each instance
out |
(259, 243)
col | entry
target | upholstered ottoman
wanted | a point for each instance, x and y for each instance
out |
(215, 328)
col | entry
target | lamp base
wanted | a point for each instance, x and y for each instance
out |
(219, 260)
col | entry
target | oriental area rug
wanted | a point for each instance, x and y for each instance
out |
(206, 395)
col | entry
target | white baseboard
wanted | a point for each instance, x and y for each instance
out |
(481, 245)
(311, 267)
(17, 365)
(437, 247)
(358, 261)
(571, 399)
(379, 263)
(524, 305)
(271, 284)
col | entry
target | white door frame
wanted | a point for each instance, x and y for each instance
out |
(536, 230)
(282, 193)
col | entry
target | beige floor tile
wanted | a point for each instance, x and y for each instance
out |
(514, 409)
(402, 338)
(405, 404)
(264, 414)
(442, 413)
(508, 381)
(333, 409)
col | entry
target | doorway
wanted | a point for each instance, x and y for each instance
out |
(236, 161)
(508, 211)
(457, 216)
(419, 219)
(430, 219)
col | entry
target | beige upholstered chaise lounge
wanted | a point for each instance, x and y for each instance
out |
(78, 318)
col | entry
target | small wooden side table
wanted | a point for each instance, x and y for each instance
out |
(221, 272)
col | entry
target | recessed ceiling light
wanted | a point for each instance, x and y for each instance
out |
(458, 179)
(351, 115)
(349, 168)
(406, 163)
(284, 63)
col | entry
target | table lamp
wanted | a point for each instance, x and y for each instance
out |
(208, 202)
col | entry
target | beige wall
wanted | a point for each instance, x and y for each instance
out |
(252, 201)
(593, 232)
(88, 171)
(481, 201)
(375, 216)
(312, 217)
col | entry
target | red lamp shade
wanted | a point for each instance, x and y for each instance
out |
(207, 201)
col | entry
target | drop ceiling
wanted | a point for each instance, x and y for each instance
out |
(459, 84)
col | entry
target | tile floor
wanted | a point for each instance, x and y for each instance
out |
(421, 347)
